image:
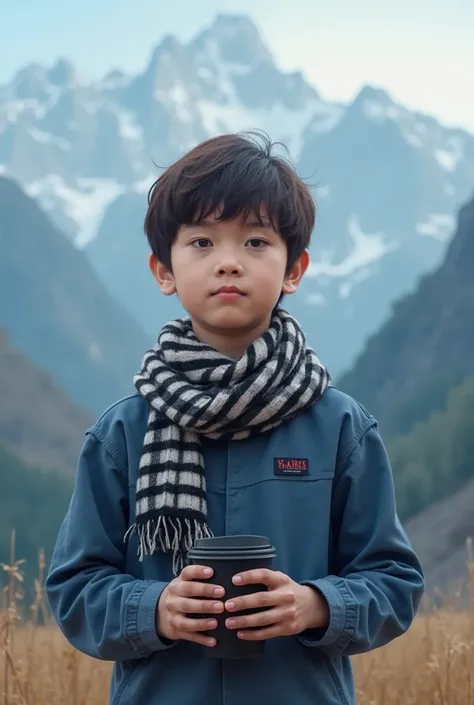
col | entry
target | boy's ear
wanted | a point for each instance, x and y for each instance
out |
(162, 275)
(293, 278)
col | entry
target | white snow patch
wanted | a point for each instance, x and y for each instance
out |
(95, 352)
(358, 276)
(144, 185)
(450, 157)
(92, 107)
(113, 82)
(240, 69)
(316, 299)
(180, 99)
(55, 92)
(381, 112)
(205, 73)
(128, 128)
(84, 204)
(413, 139)
(345, 290)
(439, 226)
(48, 138)
(412, 128)
(326, 117)
(367, 249)
(324, 192)
(13, 109)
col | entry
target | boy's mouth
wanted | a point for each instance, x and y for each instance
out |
(229, 293)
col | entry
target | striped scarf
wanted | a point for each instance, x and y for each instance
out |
(194, 390)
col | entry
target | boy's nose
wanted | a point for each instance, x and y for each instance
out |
(229, 267)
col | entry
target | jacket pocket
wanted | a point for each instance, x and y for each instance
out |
(294, 513)
(336, 679)
(128, 671)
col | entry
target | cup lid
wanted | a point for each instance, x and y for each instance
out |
(233, 542)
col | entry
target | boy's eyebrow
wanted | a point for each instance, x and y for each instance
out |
(251, 222)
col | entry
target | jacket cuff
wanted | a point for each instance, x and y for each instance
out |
(343, 614)
(140, 618)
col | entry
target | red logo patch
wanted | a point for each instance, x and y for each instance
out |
(290, 466)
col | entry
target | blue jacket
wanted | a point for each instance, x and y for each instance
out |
(334, 527)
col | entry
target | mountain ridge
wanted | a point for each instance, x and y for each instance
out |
(54, 309)
(391, 179)
(424, 348)
(39, 424)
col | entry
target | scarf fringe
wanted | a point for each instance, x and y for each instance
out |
(167, 534)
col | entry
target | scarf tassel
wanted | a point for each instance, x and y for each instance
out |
(167, 534)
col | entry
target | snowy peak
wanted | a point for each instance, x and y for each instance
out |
(30, 83)
(34, 82)
(237, 41)
(371, 93)
(166, 67)
(63, 73)
(113, 81)
(232, 59)
(164, 57)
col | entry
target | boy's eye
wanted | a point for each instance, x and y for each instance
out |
(202, 243)
(256, 243)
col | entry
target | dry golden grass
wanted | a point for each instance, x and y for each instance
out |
(433, 664)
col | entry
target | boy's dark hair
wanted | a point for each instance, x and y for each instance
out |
(232, 175)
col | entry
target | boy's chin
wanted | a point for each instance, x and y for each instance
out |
(230, 321)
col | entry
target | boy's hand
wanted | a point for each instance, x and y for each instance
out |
(293, 607)
(180, 598)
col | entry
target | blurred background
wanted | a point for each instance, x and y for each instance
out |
(374, 104)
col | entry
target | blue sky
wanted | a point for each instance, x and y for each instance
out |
(421, 51)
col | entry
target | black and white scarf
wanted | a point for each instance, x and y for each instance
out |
(194, 390)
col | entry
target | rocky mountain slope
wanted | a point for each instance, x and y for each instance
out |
(55, 310)
(33, 503)
(425, 348)
(442, 536)
(39, 424)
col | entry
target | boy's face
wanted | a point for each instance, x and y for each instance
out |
(229, 276)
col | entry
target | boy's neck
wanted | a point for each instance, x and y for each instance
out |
(231, 343)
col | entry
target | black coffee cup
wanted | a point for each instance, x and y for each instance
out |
(227, 556)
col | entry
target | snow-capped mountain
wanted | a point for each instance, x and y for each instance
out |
(388, 181)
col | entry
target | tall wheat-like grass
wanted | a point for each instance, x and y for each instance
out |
(433, 664)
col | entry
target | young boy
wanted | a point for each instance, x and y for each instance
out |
(225, 402)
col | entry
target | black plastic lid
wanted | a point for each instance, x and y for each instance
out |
(233, 542)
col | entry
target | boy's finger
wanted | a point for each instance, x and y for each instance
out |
(188, 625)
(257, 620)
(186, 605)
(186, 588)
(261, 634)
(260, 576)
(253, 602)
(198, 638)
(196, 572)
